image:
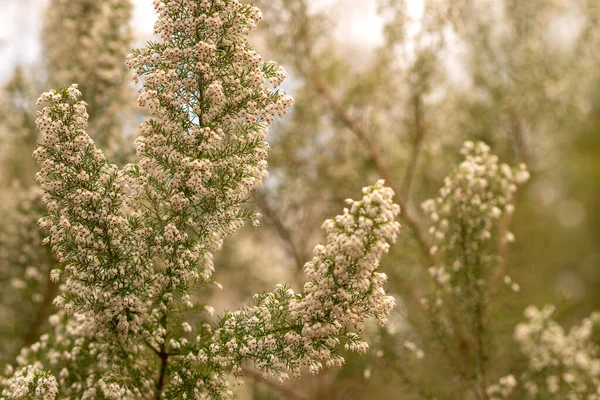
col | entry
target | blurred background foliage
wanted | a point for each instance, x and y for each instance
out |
(523, 76)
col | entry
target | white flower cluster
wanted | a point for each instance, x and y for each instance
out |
(84, 363)
(283, 331)
(89, 227)
(343, 271)
(203, 151)
(85, 42)
(470, 204)
(31, 383)
(503, 389)
(562, 364)
(414, 349)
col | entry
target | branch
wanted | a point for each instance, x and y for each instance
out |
(286, 391)
(284, 232)
(374, 155)
(164, 363)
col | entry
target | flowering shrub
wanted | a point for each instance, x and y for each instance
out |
(467, 236)
(133, 242)
(130, 247)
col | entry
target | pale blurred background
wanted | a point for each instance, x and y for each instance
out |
(21, 23)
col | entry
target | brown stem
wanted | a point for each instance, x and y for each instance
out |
(164, 363)
(286, 391)
(481, 356)
(283, 231)
(375, 157)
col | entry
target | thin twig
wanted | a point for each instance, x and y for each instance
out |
(286, 391)
(283, 231)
